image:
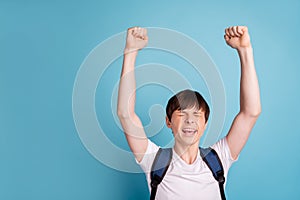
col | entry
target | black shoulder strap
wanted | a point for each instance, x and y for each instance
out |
(212, 160)
(162, 161)
(159, 169)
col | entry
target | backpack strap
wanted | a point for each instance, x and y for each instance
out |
(162, 161)
(159, 168)
(212, 160)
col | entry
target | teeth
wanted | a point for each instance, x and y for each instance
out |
(189, 129)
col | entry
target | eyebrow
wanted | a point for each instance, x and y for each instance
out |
(195, 112)
(198, 112)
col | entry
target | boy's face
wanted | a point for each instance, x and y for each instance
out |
(187, 125)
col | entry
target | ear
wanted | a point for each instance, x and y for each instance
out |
(205, 125)
(168, 122)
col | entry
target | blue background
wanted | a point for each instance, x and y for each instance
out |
(42, 45)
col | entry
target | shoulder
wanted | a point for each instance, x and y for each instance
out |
(223, 151)
(149, 156)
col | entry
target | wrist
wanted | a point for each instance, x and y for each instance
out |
(242, 50)
(130, 51)
(246, 55)
(130, 57)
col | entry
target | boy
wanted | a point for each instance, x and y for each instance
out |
(188, 177)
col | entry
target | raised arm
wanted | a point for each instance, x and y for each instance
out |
(238, 38)
(136, 39)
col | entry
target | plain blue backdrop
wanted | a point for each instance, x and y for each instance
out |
(43, 44)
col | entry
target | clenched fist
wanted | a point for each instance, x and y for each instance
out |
(136, 39)
(237, 37)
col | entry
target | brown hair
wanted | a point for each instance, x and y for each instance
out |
(187, 99)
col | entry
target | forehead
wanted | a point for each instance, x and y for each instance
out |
(188, 110)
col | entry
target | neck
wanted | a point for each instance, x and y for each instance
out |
(187, 153)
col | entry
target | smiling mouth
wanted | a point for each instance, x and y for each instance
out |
(189, 131)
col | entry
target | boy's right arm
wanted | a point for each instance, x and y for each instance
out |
(137, 140)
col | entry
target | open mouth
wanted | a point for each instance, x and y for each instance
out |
(189, 131)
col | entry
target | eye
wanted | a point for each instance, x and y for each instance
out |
(181, 114)
(198, 115)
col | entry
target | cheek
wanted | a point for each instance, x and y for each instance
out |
(176, 121)
(175, 127)
(201, 124)
(176, 124)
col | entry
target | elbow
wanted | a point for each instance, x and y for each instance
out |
(256, 113)
(253, 113)
(123, 114)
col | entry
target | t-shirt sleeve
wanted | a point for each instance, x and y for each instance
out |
(222, 148)
(146, 162)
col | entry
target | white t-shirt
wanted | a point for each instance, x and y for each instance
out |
(187, 181)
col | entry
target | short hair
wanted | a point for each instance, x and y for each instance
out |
(187, 99)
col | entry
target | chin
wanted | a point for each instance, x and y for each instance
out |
(188, 140)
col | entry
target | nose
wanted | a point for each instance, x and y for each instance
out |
(189, 120)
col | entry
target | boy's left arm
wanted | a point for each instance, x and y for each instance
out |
(238, 38)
